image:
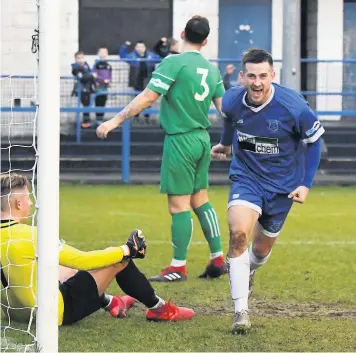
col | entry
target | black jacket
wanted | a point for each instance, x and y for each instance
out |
(163, 49)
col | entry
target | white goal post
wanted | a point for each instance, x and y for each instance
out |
(48, 134)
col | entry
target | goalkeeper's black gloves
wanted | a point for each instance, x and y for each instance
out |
(137, 244)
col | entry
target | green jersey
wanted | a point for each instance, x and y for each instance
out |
(188, 84)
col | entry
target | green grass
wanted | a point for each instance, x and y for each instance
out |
(304, 298)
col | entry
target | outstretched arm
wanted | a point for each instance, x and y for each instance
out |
(89, 260)
(139, 103)
(135, 247)
(124, 50)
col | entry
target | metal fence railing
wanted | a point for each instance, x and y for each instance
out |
(331, 82)
(328, 85)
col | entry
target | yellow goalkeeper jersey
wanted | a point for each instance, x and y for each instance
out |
(19, 267)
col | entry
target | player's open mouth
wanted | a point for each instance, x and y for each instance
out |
(256, 92)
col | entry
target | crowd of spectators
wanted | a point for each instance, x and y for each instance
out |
(98, 79)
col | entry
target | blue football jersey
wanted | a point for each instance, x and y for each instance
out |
(269, 140)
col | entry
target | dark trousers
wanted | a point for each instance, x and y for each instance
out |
(85, 99)
(100, 101)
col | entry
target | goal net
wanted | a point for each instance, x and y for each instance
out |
(29, 85)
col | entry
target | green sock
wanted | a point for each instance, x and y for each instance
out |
(210, 226)
(182, 230)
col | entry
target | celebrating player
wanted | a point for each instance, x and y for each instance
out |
(276, 143)
(188, 84)
(83, 292)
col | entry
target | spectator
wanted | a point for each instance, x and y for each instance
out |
(166, 47)
(140, 71)
(103, 71)
(229, 70)
(174, 46)
(85, 78)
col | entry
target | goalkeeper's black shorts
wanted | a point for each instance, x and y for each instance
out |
(80, 297)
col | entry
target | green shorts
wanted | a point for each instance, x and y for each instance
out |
(185, 163)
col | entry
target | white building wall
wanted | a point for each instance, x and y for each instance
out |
(330, 47)
(20, 17)
(18, 21)
(183, 10)
(277, 36)
(69, 33)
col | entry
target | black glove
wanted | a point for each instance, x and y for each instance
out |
(137, 244)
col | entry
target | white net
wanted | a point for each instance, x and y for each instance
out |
(19, 69)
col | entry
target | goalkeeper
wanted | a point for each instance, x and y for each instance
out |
(83, 293)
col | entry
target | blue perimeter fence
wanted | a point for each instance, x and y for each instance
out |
(349, 90)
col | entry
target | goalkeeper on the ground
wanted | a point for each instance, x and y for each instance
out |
(83, 276)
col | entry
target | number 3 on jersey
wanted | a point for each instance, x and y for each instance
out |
(204, 73)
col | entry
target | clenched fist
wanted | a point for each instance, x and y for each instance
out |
(137, 244)
(104, 128)
(220, 151)
(299, 194)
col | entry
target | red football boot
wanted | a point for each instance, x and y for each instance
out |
(169, 312)
(120, 305)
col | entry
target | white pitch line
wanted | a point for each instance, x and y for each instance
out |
(199, 242)
(322, 215)
(119, 213)
(294, 215)
(313, 242)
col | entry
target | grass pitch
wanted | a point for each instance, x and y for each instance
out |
(304, 298)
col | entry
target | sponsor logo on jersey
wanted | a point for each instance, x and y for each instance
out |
(241, 121)
(257, 144)
(273, 125)
(235, 196)
(314, 128)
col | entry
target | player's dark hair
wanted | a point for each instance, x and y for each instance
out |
(79, 52)
(140, 42)
(197, 30)
(257, 56)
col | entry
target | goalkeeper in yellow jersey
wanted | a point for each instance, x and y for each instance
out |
(83, 276)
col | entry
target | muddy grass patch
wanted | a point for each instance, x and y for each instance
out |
(273, 308)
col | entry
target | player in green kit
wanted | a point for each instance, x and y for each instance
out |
(188, 84)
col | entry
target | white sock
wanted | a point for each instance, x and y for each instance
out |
(239, 273)
(108, 298)
(216, 254)
(256, 262)
(178, 263)
(160, 303)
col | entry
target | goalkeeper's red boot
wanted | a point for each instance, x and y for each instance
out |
(120, 305)
(169, 312)
(171, 274)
